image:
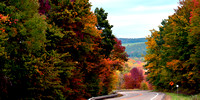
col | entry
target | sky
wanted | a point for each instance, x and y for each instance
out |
(135, 18)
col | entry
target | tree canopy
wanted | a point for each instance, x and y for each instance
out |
(173, 51)
(53, 49)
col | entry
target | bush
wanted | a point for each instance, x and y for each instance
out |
(144, 86)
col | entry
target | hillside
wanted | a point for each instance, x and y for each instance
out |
(132, 40)
(134, 47)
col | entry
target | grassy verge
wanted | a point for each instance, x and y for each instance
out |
(183, 97)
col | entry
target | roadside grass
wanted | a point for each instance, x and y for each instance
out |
(174, 96)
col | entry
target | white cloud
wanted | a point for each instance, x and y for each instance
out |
(135, 19)
(136, 25)
(99, 3)
(153, 8)
(104, 1)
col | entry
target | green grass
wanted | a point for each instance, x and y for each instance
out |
(183, 97)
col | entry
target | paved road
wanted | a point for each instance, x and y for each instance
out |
(139, 95)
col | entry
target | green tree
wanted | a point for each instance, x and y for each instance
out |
(193, 38)
(174, 50)
(3, 38)
(25, 41)
(80, 39)
(31, 70)
(108, 41)
(112, 50)
(50, 50)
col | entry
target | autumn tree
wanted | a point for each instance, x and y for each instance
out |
(25, 32)
(193, 41)
(5, 82)
(172, 49)
(51, 49)
(133, 79)
(112, 50)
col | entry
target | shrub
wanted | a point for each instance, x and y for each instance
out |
(144, 86)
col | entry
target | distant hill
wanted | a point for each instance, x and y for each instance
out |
(132, 40)
(134, 47)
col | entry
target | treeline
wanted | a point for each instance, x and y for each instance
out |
(134, 76)
(132, 40)
(173, 54)
(56, 49)
(136, 49)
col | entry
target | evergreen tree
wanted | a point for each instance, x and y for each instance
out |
(108, 42)
(113, 50)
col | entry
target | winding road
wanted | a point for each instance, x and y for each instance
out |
(139, 95)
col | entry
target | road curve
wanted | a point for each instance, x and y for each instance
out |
(139, 95)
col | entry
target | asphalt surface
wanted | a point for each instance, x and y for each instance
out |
(139, 95)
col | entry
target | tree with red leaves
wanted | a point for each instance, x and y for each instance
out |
(133, 79)
(51, 50)
(44, 6)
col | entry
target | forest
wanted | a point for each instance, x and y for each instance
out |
(135, 47)
(61, 50)
(56, 50)
(173, 51)
(136, 50)
(132, 40)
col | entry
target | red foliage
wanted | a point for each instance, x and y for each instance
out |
(119, 51)
(118, 46)
(195, 4)
(134, 78)
(72, 0)
(137, 74)
(44, 6)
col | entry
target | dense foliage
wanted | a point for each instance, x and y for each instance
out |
(134, 78)
(53, 49)
(173, 51)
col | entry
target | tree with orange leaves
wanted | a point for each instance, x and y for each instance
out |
(53, 50)
(174, 51)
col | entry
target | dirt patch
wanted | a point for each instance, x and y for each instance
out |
(167, 97)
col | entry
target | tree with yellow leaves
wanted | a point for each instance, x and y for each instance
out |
(172, 54)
